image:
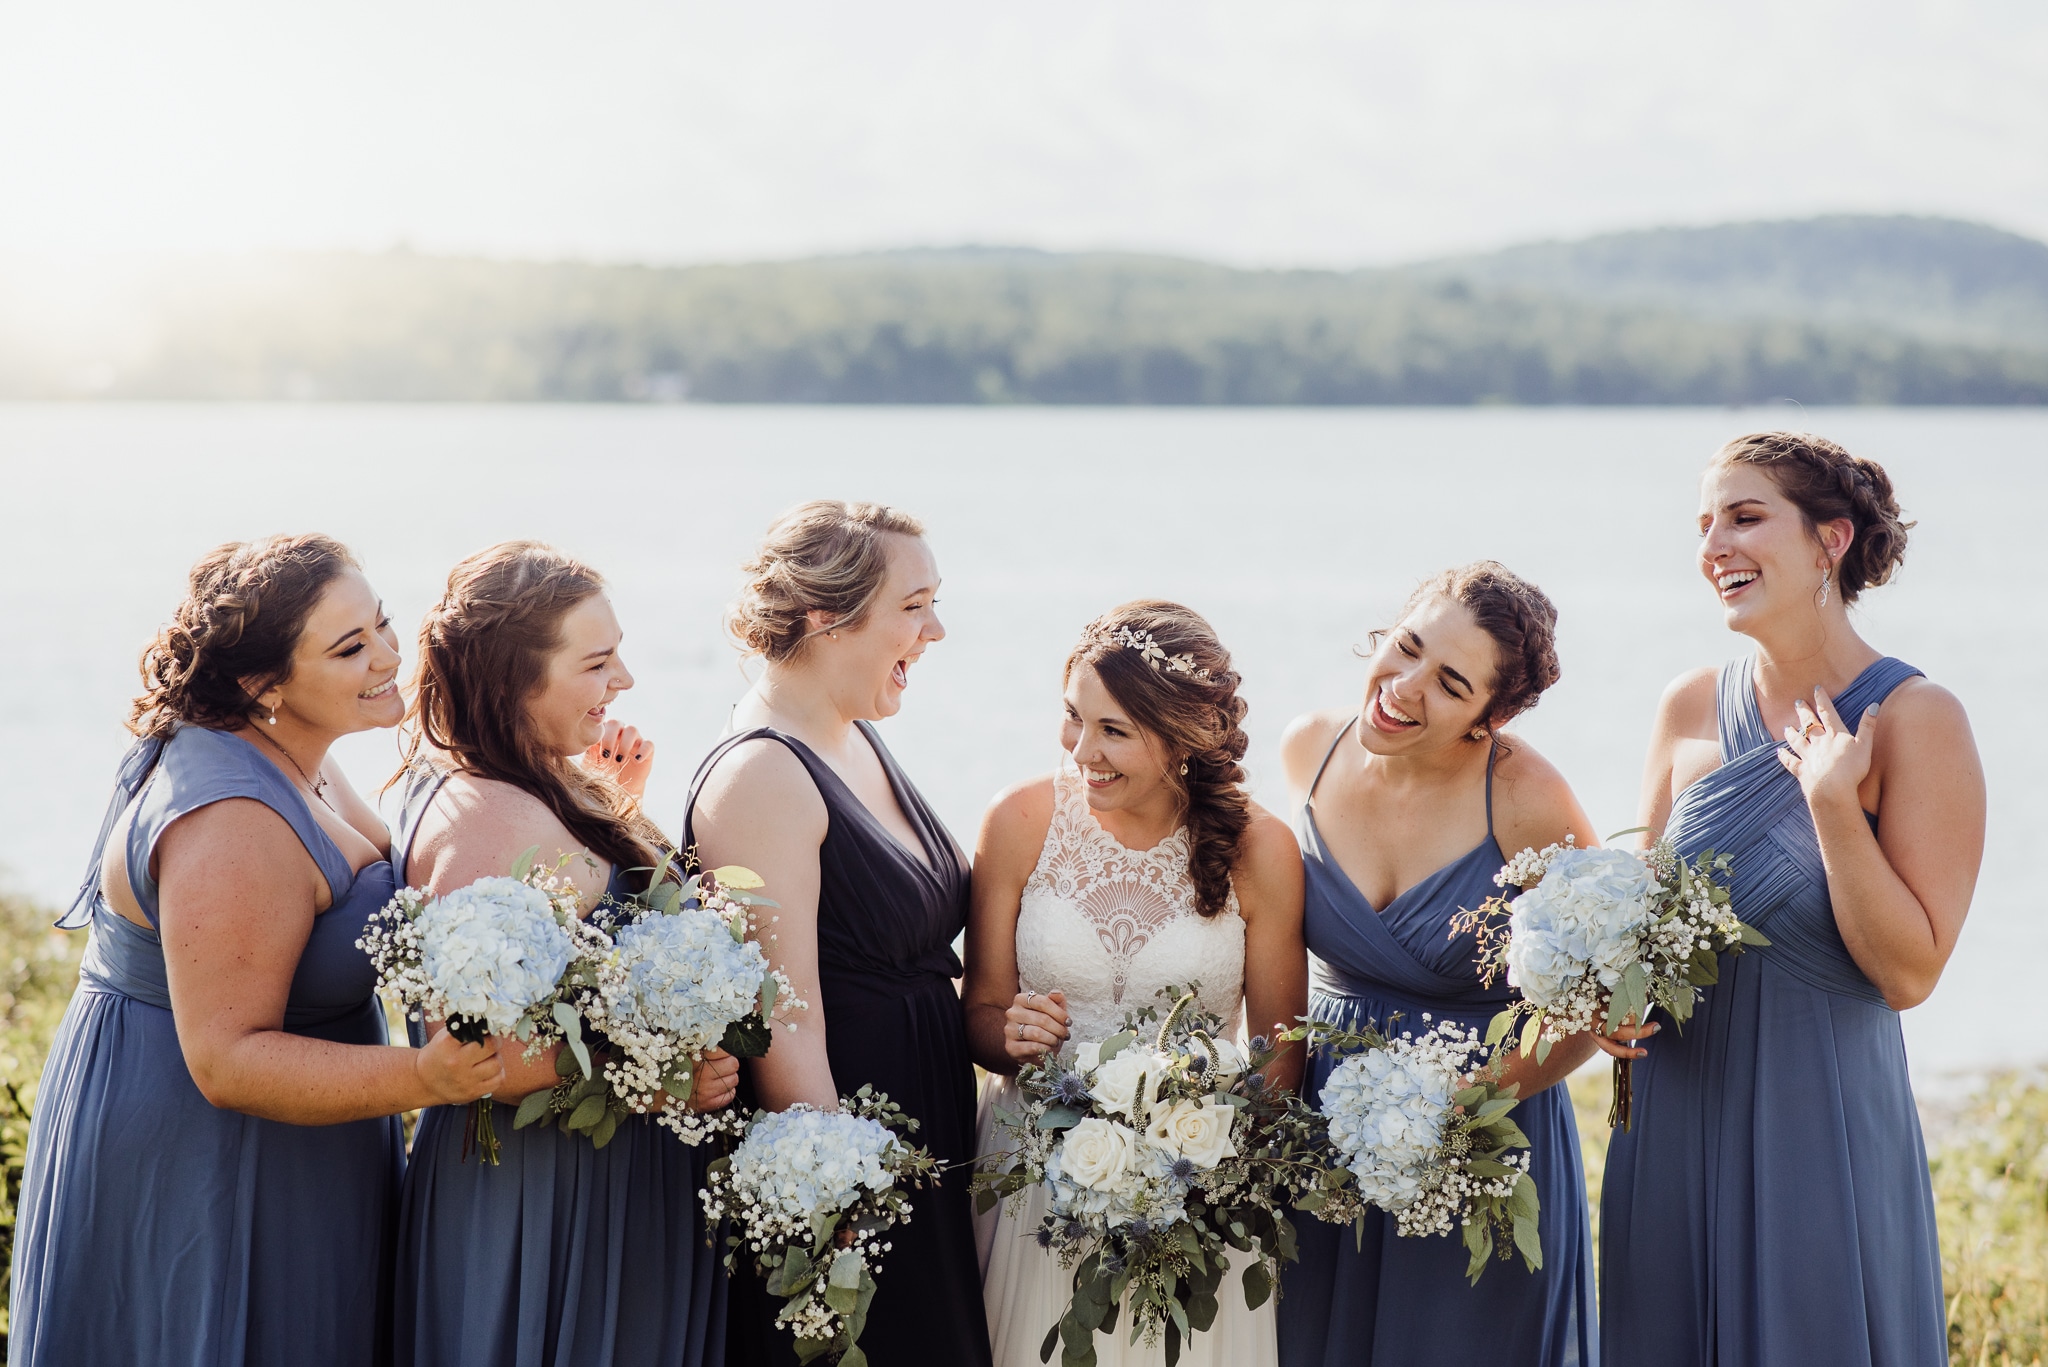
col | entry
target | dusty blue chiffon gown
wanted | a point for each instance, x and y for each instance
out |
(153, 1227)
(562, 1255)
(1772, 1206)
(1404, 1301)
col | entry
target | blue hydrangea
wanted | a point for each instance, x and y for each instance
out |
(801, 1161)
(686, 976)
(492, 951)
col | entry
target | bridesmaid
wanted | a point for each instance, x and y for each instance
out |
(213, 1167)
(1772, 1204)
(840, 603)
(1408, 805)
(565, 1253)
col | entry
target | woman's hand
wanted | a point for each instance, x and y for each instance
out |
(456, 1073)
(717, 1081)
(623, 754)
(1035, 1025)
(1828, 761)
(1623, 1042)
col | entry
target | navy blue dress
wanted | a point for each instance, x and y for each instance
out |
(886, 922)
(1772, 1205)
(564, 1254)
(153, 1227)
(1403, 1301)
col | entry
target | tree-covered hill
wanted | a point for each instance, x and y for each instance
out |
(1537, 325)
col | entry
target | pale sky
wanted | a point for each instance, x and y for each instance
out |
(1271, 133)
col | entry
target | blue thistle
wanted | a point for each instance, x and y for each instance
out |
(1071, 1089)
(1182, 1171)
(1044, 1236)
(1260, 1044)
(1141, 1228)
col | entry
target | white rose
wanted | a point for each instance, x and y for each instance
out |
(1115, 1084)
(1096, 1154)
(1088, 1056)
(1199, 1133)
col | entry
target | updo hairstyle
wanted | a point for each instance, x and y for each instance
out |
(1522, 622)
(1825, 483)
(1198, 719)
(245, 607)
(484, 652)
(822, 556)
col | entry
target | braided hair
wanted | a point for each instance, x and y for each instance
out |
(231, 640)
(1827, 484)
(1195, 712)
(484, 652)
(1522, 622)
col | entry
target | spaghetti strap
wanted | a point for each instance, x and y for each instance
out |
(1492, 757)
(1328, 755)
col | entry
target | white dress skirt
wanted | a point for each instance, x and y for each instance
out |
(1108, 926)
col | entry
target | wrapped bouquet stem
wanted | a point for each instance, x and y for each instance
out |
(1599, 938)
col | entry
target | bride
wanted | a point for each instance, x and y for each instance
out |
(1140, 862)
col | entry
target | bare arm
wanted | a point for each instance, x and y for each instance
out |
(759, 808)
(1003, 1029)
(238, 897)
(1269, 896)
(1900, 895)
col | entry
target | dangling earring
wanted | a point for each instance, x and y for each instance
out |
(273, 714)
(1826, 576)
(1183, 768)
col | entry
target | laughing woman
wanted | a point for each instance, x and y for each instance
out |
(840, 603)
(1407, 805)
(213, 1167)
(1772, 1204)
(565, 1254)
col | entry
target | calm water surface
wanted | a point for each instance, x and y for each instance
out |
(1296, 532)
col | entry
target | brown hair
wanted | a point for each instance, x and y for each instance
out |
(1199, 719)
(822, 556)
(1824, 482)
(1519, 617)
(483, 655)
(246, 604)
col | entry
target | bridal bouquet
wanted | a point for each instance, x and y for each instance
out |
(676, 976)
(501, 956)
(1414, 1130)
(812, 1195)
(1601, 936)
(1159, 1150)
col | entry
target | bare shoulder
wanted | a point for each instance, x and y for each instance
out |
(1013, 828)
(480, 826)
(1307, 739)
(762, 775)
(1920, 702)
(1690, 703)
(1268, 859)
(1533, 802)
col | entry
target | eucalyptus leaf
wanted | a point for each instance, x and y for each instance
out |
(1258, 1285)
(607, 1126)
(532, 1109)
(1114, 1045)
(1497, 1028)
(572, 1034)
(1752, 936)
(586, 1113)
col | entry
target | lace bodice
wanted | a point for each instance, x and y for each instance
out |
(1109, 926)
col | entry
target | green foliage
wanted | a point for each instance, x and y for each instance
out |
(1991, 1203)
(38, 969)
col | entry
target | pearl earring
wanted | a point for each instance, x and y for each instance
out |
(273, 714)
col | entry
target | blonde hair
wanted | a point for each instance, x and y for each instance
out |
(827, 556)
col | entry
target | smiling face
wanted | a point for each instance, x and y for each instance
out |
(1756, 551)
(584, 673)
(344, 674)
(1123, 766)
(870, 663)
(1430, 682)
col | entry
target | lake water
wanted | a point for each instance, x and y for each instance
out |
(1295, 531)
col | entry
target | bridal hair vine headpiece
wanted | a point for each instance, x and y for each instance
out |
(1152, 652)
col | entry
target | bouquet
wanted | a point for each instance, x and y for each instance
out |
(1413, 1130)
(676, 976)
(1158, 1151)
(1602, 936)
(498, 957)
(811, 1195)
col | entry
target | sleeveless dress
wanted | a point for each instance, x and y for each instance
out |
(153, 1227)
(1400, 1300)
(1772, 1205)
(564, 1254)
(886, 967)
(1108, 926)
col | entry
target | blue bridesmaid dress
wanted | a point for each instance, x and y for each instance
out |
(153, 1227)
(1402, 1301)
(564, 1254)
(1772, 1205)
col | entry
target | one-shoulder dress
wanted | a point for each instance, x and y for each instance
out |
(1401, 1301)
(1771, 1207)
(154, 1227)
(886, 923)
(562, 1255)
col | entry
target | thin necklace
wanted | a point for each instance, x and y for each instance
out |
(317, 785)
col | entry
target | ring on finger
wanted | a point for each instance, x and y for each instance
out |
(1806, 731)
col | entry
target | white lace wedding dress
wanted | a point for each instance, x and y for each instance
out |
(1108, 926)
